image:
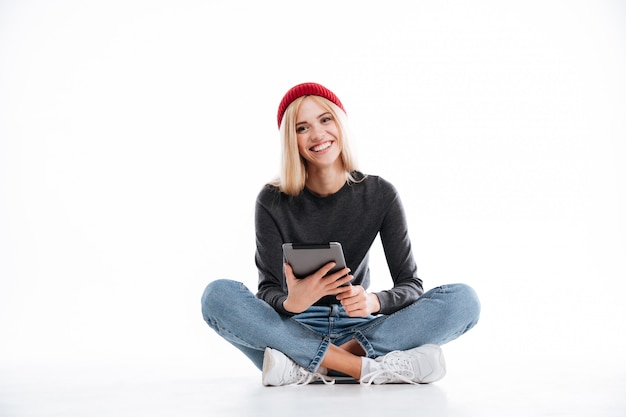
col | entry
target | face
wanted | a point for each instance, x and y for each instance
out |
(317, 134)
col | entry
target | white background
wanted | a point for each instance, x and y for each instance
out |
(135, 135)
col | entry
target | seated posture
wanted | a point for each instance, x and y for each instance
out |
(303, 329)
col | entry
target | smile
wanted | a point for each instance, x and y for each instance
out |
(321, 147)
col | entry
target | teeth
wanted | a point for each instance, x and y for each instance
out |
(321, 147)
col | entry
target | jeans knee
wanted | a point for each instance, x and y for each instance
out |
(216, 296)
(470, 301)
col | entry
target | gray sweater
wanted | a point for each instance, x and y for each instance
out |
(352, 216)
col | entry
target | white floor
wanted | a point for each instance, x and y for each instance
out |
(490, 385)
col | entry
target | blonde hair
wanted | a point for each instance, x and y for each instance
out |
(293, 171)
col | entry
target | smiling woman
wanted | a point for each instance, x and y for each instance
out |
(298, 330)
(135, 136)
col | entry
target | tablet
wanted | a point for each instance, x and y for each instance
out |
(306, 258)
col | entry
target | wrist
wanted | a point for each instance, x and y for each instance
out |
(289, 307)
(286, 305)
(374, 303)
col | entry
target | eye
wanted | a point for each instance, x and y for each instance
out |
(326, 119)
(301, 129)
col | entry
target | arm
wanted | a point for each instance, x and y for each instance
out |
(269, 258)
(397, 246)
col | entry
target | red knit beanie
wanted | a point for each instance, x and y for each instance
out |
(306, 89)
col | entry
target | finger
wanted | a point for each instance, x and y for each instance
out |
(340, 281)
(346, 288)
(289, 273)
(352, 303)
(354, 310)
(323, 271)
(338, 274)
(351, 290)
(344, 292)
(346, 280)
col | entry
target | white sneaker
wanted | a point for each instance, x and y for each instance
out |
(279, 370)
(423, 365)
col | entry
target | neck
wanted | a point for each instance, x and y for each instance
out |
(324, 182)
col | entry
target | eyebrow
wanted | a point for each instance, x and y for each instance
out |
(319, 117)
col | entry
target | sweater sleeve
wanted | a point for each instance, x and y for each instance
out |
(394, 235)
(272, 287)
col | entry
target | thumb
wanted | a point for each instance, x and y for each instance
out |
(289, 272)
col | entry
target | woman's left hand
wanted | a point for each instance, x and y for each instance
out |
(358, 303)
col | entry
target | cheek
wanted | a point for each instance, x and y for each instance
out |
(301, 145)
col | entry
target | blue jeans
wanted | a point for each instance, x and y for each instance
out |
(250, 324)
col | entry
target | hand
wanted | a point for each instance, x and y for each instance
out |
(358, 303)
(304, 292)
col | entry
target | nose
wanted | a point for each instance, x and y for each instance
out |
(319, 133)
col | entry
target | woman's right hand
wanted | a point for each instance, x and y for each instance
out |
(304, 292)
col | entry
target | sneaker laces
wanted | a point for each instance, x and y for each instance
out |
(301, 376)
(394, 366)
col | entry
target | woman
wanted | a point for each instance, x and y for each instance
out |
(301, 330)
